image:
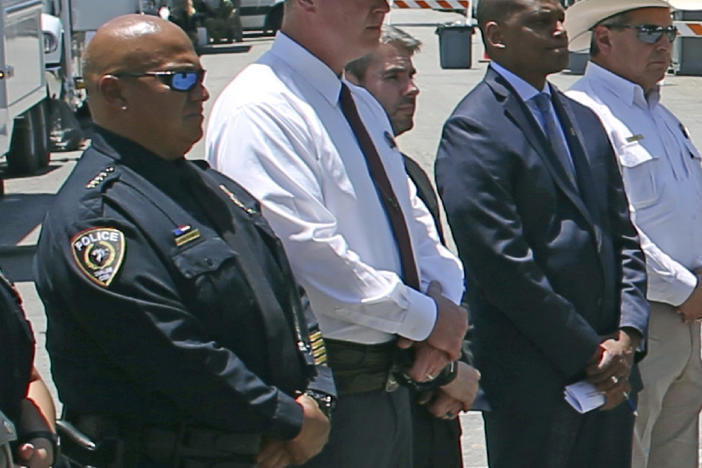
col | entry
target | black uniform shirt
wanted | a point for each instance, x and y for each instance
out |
(16, 351)
(131, 335)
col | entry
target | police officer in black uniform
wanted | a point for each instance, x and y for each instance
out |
(26, 410)
(177, 333)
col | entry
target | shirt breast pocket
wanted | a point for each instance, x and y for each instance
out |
(216, 287)
(204, 257)
(643, 185)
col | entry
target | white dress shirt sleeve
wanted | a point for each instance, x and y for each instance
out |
(276, 159)
(668, 280)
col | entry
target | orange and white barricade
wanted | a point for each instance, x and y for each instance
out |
(687, 48)
(433, 4)
(689, 28)
(454, 46)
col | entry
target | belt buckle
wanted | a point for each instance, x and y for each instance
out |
(391, 383)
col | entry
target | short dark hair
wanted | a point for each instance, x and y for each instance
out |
(494, 10)
(390, 35)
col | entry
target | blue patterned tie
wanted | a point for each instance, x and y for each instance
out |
(554, 134)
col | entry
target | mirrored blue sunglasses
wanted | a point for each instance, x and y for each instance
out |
(177, 80)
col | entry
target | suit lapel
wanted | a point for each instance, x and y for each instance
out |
(585, 178)
(581, 161)
(578, 153)
(520, 114)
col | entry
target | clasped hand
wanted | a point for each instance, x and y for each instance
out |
(444, 345)
(691, 309)
(308, 443)
(456, 396)
(609, 368)
(445, 341)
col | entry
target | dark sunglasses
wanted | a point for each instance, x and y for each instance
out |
(648, 33)
(177, 80)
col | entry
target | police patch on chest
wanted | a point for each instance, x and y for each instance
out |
(99, 252)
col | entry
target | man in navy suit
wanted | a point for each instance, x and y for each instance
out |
(556, 279)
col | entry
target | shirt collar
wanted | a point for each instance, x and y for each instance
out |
(314, 72)
(525, 90)
(134, 155)
(628, 91)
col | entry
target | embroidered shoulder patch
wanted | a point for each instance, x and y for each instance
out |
(99, 252)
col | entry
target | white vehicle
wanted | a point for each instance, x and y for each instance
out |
(264, 15)
(23, 123)
(68, 25)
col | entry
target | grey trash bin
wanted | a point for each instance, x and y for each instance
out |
(455, 45)
(687, 51)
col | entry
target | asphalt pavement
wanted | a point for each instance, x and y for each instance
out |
(26, 198)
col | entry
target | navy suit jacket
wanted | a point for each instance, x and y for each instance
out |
(553, 265)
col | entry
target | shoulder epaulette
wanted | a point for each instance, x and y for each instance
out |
(100, 177)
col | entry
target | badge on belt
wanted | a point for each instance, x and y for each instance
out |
(99, 252)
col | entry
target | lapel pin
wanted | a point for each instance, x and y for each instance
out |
(390, 140)
(684, 131)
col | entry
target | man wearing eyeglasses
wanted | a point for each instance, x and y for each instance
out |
(178, 335)
(630, 49)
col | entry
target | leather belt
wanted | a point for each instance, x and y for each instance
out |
(361, 368)
(205, 447)
(185, 446)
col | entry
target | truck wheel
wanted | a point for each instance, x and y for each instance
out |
(65, 132)
(29, 147)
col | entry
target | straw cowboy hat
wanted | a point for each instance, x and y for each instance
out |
(582, 16)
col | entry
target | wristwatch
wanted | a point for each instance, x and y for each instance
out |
(325, 402)
(447, 375)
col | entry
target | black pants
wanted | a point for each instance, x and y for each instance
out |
(530, 436)
(437, 442)
(369, 429)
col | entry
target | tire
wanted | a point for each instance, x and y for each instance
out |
(275, 19)
(29, 147)
(65, 132)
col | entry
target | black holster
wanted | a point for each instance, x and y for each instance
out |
(83, 450)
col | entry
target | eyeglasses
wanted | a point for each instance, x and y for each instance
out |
(648, 33)
(177, 80)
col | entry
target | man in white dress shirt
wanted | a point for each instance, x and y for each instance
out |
(280, 130)
(630, 51)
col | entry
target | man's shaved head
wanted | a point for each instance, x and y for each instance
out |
(130, 43)
(127, 97)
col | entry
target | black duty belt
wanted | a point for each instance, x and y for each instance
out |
(103, 441)
(361, 368)
(200, 446)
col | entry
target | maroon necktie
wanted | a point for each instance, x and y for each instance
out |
(382, 185)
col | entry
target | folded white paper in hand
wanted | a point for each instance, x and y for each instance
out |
(583, 396)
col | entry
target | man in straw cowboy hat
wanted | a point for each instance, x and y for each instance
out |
(630, 49)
